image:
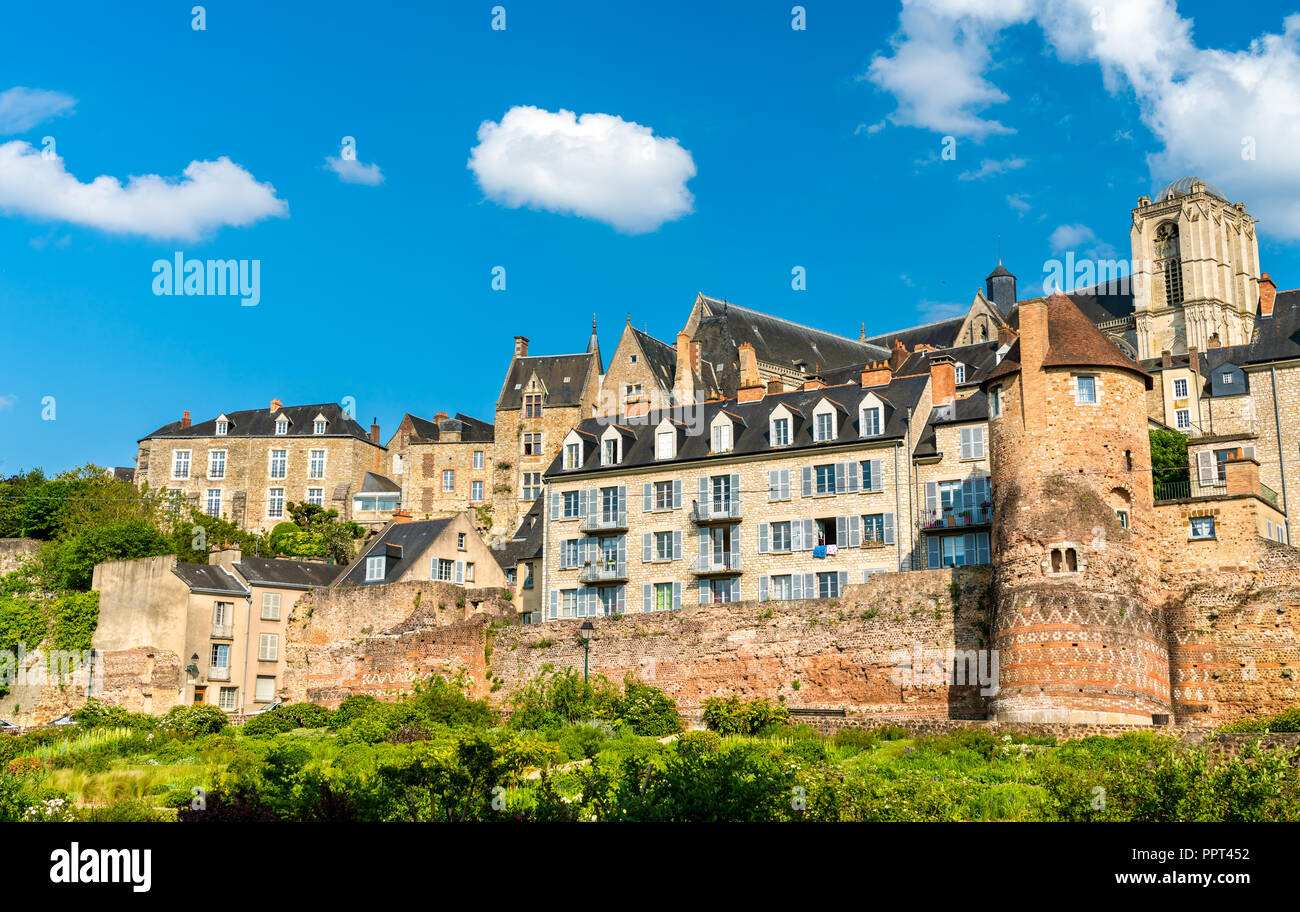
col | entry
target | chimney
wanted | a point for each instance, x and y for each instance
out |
(185, 419)
(897, 356)
(374, 430)
(521, 346)
(276, 405)
(441, 416)
(1241, 476)
(1006, 335)
(876, 373)
(401, 516)
(751, 387)
(943, 380)
(684, 378)
(637, 407)
(813, 382)
(1213, 343)
(1267, 295)
(1193, 359)
(1166, 359)
(775, 386)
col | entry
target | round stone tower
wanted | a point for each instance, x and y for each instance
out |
(1078, 632)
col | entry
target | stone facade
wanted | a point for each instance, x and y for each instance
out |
(420, 464)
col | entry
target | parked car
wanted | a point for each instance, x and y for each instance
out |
(64, 720)
(267, 708)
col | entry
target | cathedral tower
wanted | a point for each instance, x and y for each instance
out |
(1195, 269)
(1074, 568)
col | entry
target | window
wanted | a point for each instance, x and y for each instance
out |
(316, 464)
(972, 443)
(633, 390)
(870, 422)
(1182, 419)
(443, 570)
(573, 455)
(957, 550)
(460, 541)
(279, 463)
(181, 464)
(374, 568)
(318, 427)
(722, 438)
(781, 537)
(476, 491)
(1085, 389)
(221, 612)
(270, 606)
(216, 464)
(200, 694)
(828, 585)
(825, 427)
(531, 488)
(782, 588)
(220, 655)
(1180, 388)
(1123, 518)
(825, 479)
(663, 546)
(959, 369)
(1202, 527)
(663, 495)
(469, 571)
(873, 528)
(275, 503)
(213, 505)
(282, 426)
(532, 406)
(397, 463)
(569, 553)
(780, 432)
(1168, 256)
(268, 647)
(478, 459)
(448, 480)
(1226, 377)
(1064, 560)
(571, 502)
(995, 402)
(663, 596)
(222, 428)
(664, 444)
(316, 496)
(228, 699)
(264, 691)
(532, 444)
(778, 484)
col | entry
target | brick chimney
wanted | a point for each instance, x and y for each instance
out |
(897, 356)
(374, 430)
(1242, 476)
(185, 419)
(276, 405)
(1006, 335)
(943, 380)
(1193, 358)
(401, 516)
(751, 387)
(1166, 359)
(813, 382)
(1267, 295)
(877, 373)
(1213, 342)
(684, 378)
(521, 346)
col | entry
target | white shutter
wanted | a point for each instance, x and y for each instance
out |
(841, 483)
(677, 544)
(796, 535)
(1205, 468)
(646, 553)
(460, 572)
(647, 597)
(762, 588)
(735, 494)
(1248, 452)
(809, 534)
(807, 481)
(677, 595)
(762, 538)
(842, 531)
(647, 497)
(774, 484)
(855, 531)
(677, 493)
(796, 585)
(889, 528)
(555, 505)
(852, 477)
(555, 604)
(932, 498)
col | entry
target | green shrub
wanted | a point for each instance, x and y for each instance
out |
(734, 716)
(696, 742)
(646, 710)
(1286, 721)
(562, 698)
(357, 706)
(194, 719)
(867, 738)
(273, 722)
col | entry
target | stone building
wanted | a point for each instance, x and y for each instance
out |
(444, 465)
(447, 550)
(640, 375)
(247, 466)
(542, 397)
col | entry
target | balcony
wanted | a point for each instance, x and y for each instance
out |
(218, 672)
(603, 572)
(715, 563)
(711, 511)
(223, 631)
(604, 521)
(956, 517)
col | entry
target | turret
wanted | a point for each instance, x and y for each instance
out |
(1000, 288)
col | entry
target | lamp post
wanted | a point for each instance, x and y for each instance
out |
(584, 633)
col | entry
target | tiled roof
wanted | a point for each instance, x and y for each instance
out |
(261, 423)
(553, 371)
(292, 574)
(1073, 340)
(752, 436)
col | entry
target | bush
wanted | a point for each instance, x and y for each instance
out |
(734, 716)
(1286, 721)
(96, 714)
(273, 722)
(357, 706)
(646, 710)
(867, 738)
(562, 698)
(194, 719)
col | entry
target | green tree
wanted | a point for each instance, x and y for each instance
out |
(1169, 463)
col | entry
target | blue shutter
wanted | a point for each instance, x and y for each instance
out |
(807, 481)
(889, 528)
(647, 497)
(851, 477)
(762, 538)
(934, 553)
(555, 603)
(677, 544)
(677, 493)
(841, 483)
(555, 505)
(646, 554)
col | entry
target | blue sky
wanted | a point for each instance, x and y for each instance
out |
(819, 148)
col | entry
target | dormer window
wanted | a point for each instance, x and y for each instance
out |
(665, 440)
(609, 452)
(222, 427)
(318, 426)
(780, 432)
(281, 426)
(573, 455)
(722, 434)
(870, 421)
(960, 369)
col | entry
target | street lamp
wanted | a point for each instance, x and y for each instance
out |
(584, 633)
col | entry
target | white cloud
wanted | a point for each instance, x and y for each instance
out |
(351, 171)
(934, 311)
(210, 195)
(990, 167)
(1070, 237)
(1019, 202)
(1208, 108)
(596, 166)
(22, 108)
(7, 401)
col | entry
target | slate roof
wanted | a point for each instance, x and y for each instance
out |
(939, 334)
(660, 357)
(979, 359)
(786, 343)
(289, 574)
(471, 429)
(261, 423)
(209, 578)
(1183, 186)
(526, 544)
(1277, 338)
(1073, 340)
(414, 538)
(551, 370)
(752, 435)
(374, 483)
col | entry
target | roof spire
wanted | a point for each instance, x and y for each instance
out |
(862, 334)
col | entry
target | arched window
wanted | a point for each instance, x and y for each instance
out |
(1169, 257)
